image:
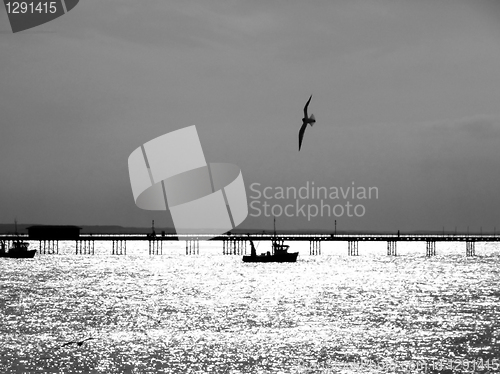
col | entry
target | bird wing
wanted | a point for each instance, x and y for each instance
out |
(68, 343)
(307, 104)
(301, 134)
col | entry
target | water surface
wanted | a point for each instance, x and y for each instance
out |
(213, 313)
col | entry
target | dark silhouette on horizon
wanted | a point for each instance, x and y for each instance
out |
(306, 121)
(79, 343)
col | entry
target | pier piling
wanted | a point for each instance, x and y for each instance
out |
(470, 248)
(193, 246)
(352, 248)
(392, 248)
(85, 247)
(49, 247)
(119, 247)
(314, 247)
(155, 246)
(234, 246)
(430, 248)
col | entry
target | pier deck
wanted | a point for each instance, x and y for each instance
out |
(286, 237)
(236, 244)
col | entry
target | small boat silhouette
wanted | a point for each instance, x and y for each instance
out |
(280, 252)
(19, 248)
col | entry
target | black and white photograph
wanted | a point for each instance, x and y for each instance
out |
(250, 186)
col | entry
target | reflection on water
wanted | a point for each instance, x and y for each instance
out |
(214, 313)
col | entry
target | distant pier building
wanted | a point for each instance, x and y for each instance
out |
(53, 232)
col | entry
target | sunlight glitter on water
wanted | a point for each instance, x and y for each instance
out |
(176, 313)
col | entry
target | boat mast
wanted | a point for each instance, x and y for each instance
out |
(274, 238)
(17, 240)
(15, 229)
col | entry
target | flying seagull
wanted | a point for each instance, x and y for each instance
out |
(80, 343)
(305, 121)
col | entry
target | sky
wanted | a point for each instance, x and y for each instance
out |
(406, 96)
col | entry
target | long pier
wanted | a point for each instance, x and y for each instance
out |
(236, 244)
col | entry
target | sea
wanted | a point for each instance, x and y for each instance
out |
(212, 313)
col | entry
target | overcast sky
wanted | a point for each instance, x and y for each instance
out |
(406, 95)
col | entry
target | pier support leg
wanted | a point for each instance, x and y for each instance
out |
(352, 248)
(392, 248)
(314, 247)
(193, 246)
(119, 247)
(430, 248)
(470, 248)
(154, 246)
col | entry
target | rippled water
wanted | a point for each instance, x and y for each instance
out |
(213, 313)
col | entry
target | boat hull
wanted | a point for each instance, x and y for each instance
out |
(287, 257)
(23, 254)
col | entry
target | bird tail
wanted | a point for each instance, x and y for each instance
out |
(313, 120)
